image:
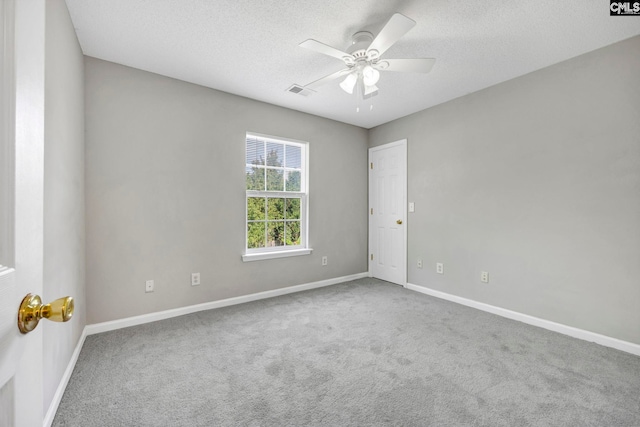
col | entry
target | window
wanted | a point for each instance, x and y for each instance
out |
(276, 202)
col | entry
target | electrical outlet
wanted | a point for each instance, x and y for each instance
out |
(419, 263)
(325, 260)
(149, 286)
(439, 268)
(195, 279)
(484, 277)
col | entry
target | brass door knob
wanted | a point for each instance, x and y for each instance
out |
(399, 222)
(32, 310)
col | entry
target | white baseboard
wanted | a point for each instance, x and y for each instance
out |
(97, 328)
(57, 397)
(535, 321)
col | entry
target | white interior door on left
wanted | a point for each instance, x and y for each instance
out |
(21, 206)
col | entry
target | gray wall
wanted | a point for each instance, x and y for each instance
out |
(64, 262)
(537, 181)
(166, 193)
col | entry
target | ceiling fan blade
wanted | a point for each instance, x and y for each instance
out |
(326, 49)
(397, 26)
(327, 79)
(417, 65)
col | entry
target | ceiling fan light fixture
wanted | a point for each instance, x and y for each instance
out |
(370, 75)
(349, 83)
(369, 89)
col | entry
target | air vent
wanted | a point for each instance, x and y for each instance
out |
(297, 89)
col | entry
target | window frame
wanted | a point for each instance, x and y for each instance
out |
(255, 254)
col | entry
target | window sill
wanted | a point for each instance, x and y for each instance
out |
(271, 255)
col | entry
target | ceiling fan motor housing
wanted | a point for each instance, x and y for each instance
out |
(360, 41)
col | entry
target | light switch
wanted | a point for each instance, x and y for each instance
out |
(412, 207)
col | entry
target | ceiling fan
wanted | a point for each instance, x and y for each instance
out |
(362, 58)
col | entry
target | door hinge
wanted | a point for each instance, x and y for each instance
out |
(371, 257)
(371, 211)
(371, 165)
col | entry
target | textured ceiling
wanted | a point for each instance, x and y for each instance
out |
(250, 47)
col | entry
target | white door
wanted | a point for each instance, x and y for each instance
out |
(21, 204)
(387, 212)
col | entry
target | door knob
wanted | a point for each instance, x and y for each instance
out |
(32, 310)
(399, 222)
